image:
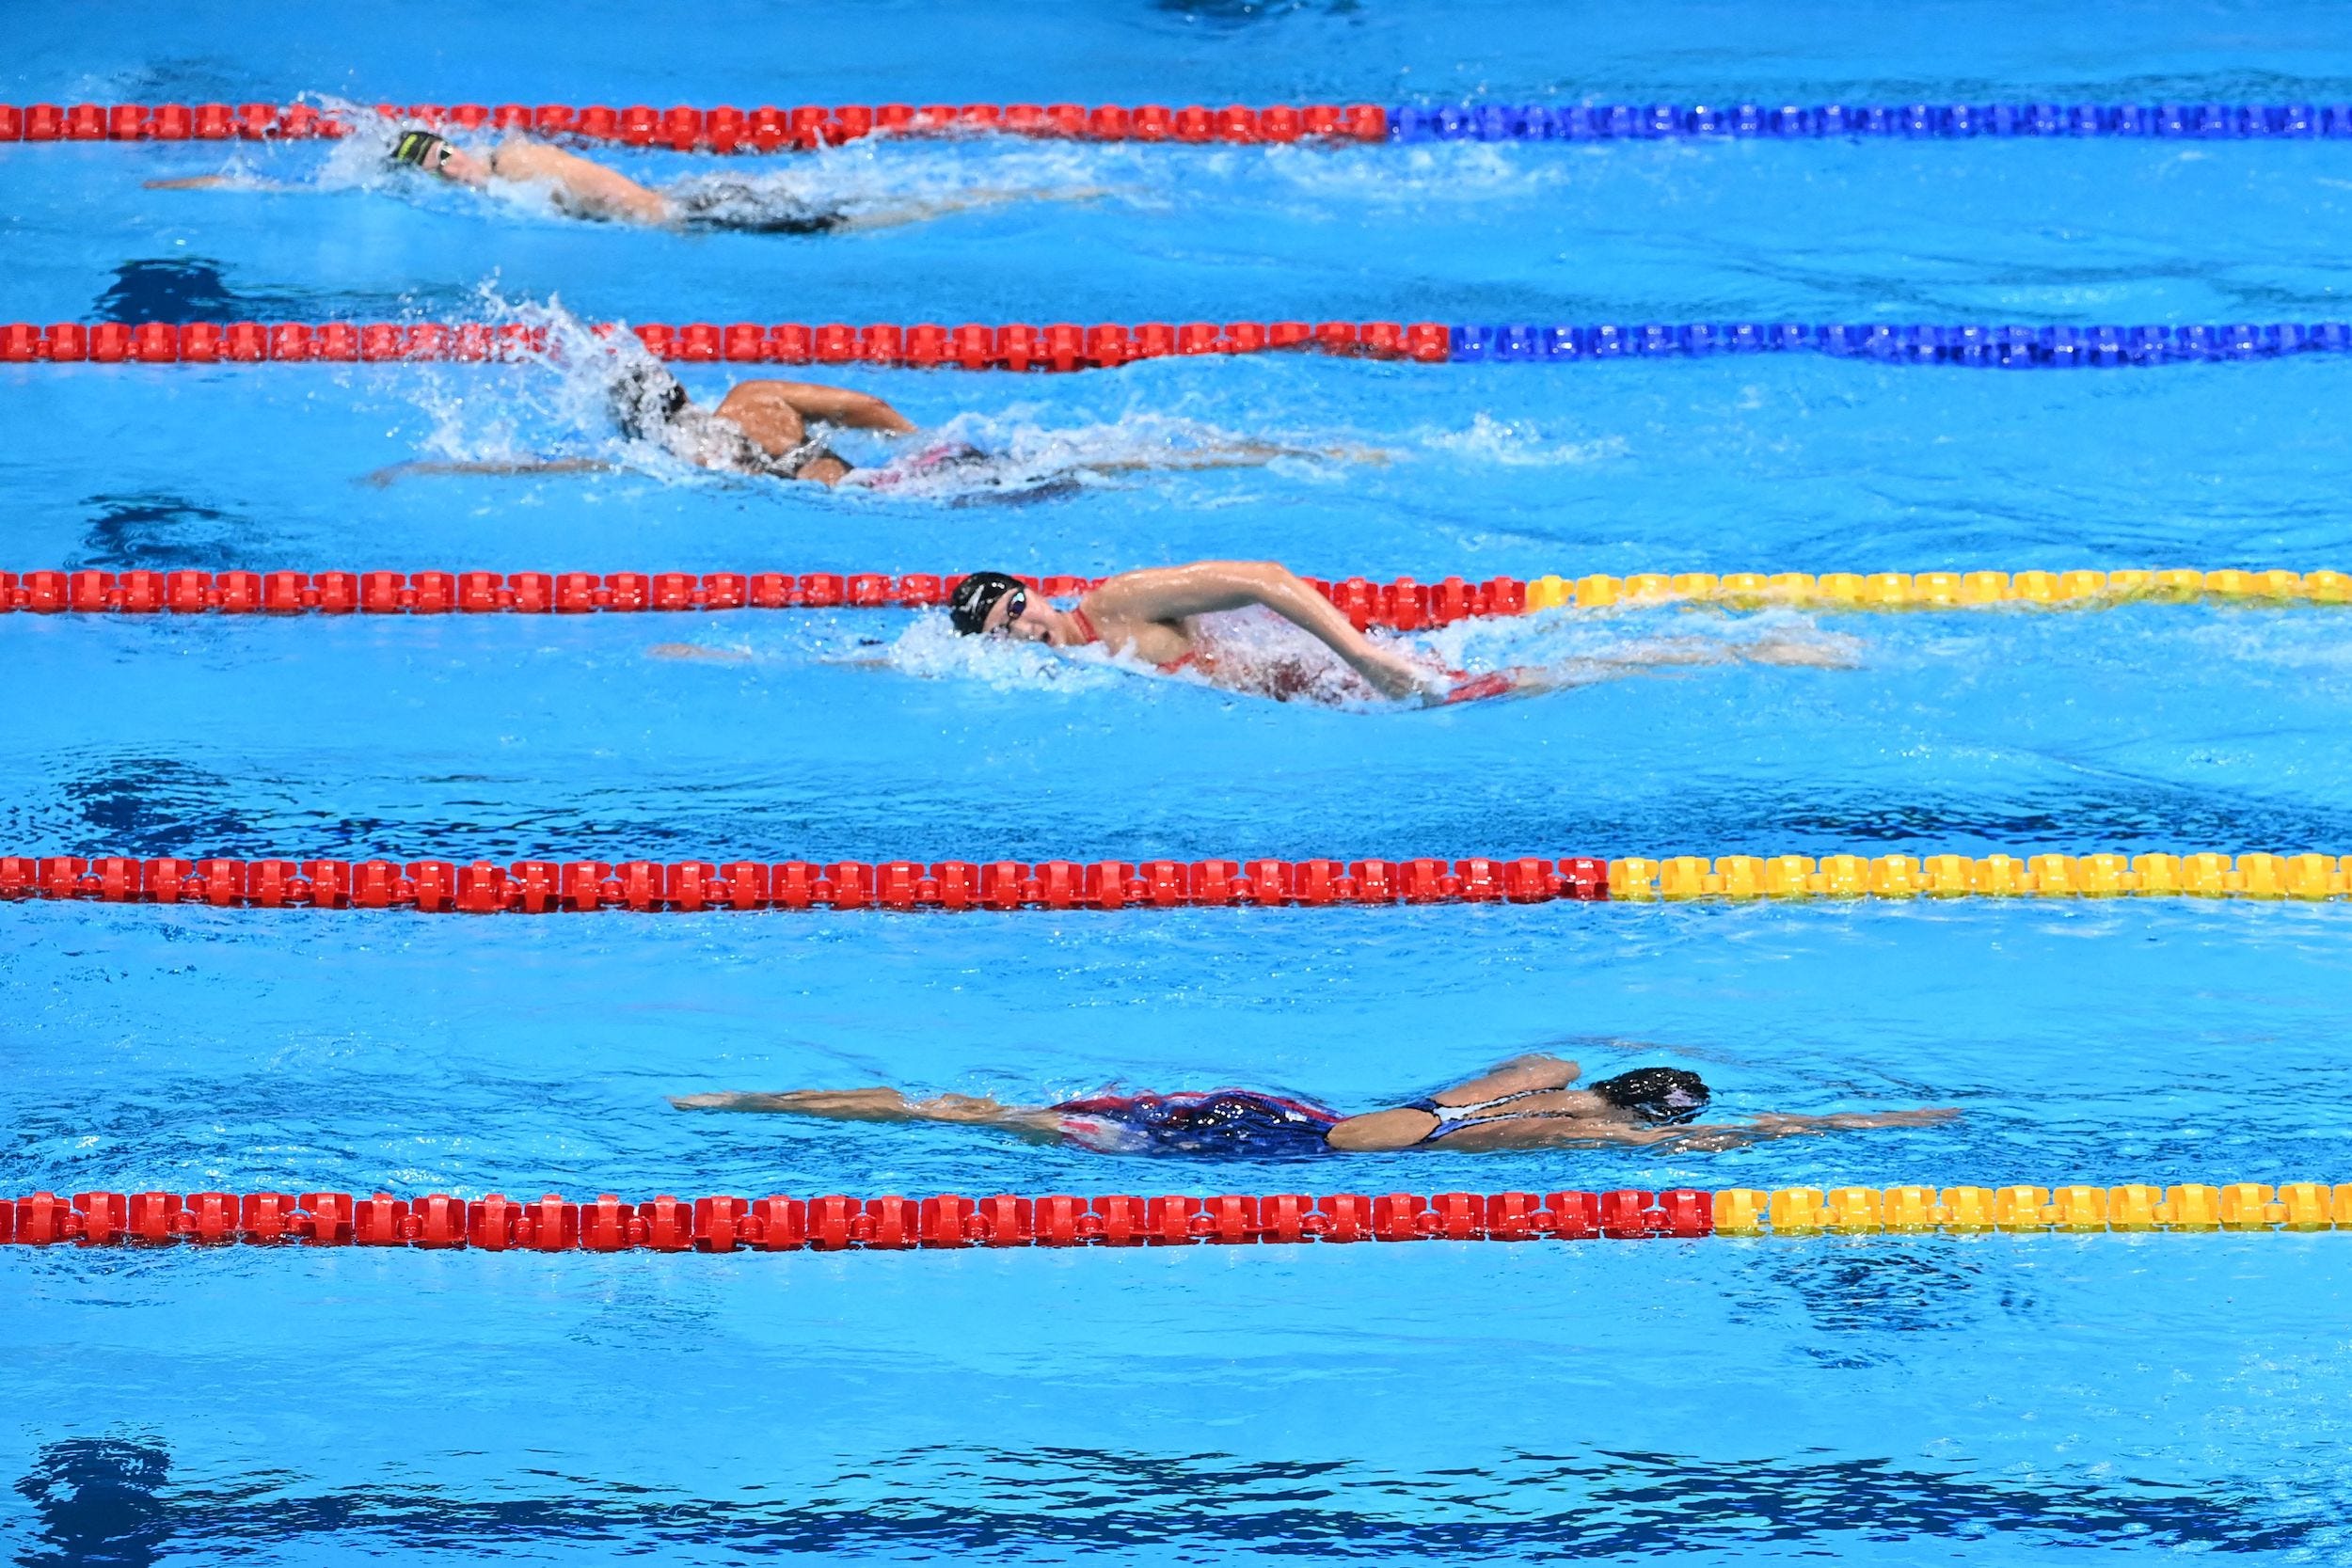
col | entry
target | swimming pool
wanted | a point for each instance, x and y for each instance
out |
(1890, 1399)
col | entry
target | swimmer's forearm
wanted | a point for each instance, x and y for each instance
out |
(875, 1104)
(1519, 1075)
(382, 477)
(839, 405)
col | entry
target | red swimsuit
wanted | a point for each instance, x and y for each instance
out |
(1467, 688)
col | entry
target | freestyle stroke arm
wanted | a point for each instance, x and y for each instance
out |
(1172, 593)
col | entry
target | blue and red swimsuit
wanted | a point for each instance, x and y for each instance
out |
(1240, 1123)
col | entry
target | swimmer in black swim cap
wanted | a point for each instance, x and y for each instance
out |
(1151, 616)
(1524, 1103)
(1148, 615)
(583, 188)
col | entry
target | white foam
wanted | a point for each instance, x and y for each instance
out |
(932, 649)
(1518, 444)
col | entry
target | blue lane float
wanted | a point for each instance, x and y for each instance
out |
(1496, 122)
(1994, 347)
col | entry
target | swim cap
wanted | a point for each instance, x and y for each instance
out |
(414, 147)
(1660, 1095)
(976, 596)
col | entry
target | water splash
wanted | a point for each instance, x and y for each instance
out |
(1518, 444)
(566, 414)
(931, 649)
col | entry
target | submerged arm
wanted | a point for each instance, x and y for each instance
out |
(1235, 454)
(962, 201)
(1772, 1125)
(1172, 593)
(212, 182)
(383, 477)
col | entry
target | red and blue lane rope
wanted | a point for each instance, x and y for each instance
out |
(1074, 346)
(769, 128)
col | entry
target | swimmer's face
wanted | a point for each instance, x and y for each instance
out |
(1027, 620)
(452, 162)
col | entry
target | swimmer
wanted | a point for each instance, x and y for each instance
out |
(1525, 1103)
(582, 188)
(772, 429)
(1147, 615)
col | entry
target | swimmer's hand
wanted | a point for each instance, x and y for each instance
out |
(1395, 675)
(1823, 651)
(1773, 1124)
(199, 182)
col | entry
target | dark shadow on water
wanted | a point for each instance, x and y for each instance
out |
(173, 290)
(152, 806)
(106, 1501)
(182, 289)
(161, 532)
(96, 1502)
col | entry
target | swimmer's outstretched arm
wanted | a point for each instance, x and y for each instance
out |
(214, 182)
(383, 477)
(1238, 455)
(1772, 1125)
(1172, 593)
(963, 202)
(1541, 1132)
(884, 1104)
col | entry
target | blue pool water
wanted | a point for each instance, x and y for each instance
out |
(1885, 1399)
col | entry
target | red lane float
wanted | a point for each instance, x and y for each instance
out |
(1405, 604)
(719, 129)
(553, 887)
(839, 1223)
(925, 345)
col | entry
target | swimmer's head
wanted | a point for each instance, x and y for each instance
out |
(997, 603)
(436, 154)
(1660, 1095)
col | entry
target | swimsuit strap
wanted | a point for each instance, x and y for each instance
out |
(1085, 625)
(1454, 1117)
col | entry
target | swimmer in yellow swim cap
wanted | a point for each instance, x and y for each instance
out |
(1524, 1103)
(583, 188)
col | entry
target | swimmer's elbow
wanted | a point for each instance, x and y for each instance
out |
(1269, 581)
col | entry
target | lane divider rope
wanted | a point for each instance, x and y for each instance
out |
(804, 128)
(1066, 346)
(548, 887)
(1405, 604)
(837, 1223)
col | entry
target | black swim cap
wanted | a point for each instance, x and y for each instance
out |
(976, 596)
(1660, 1095)
(414, 147)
